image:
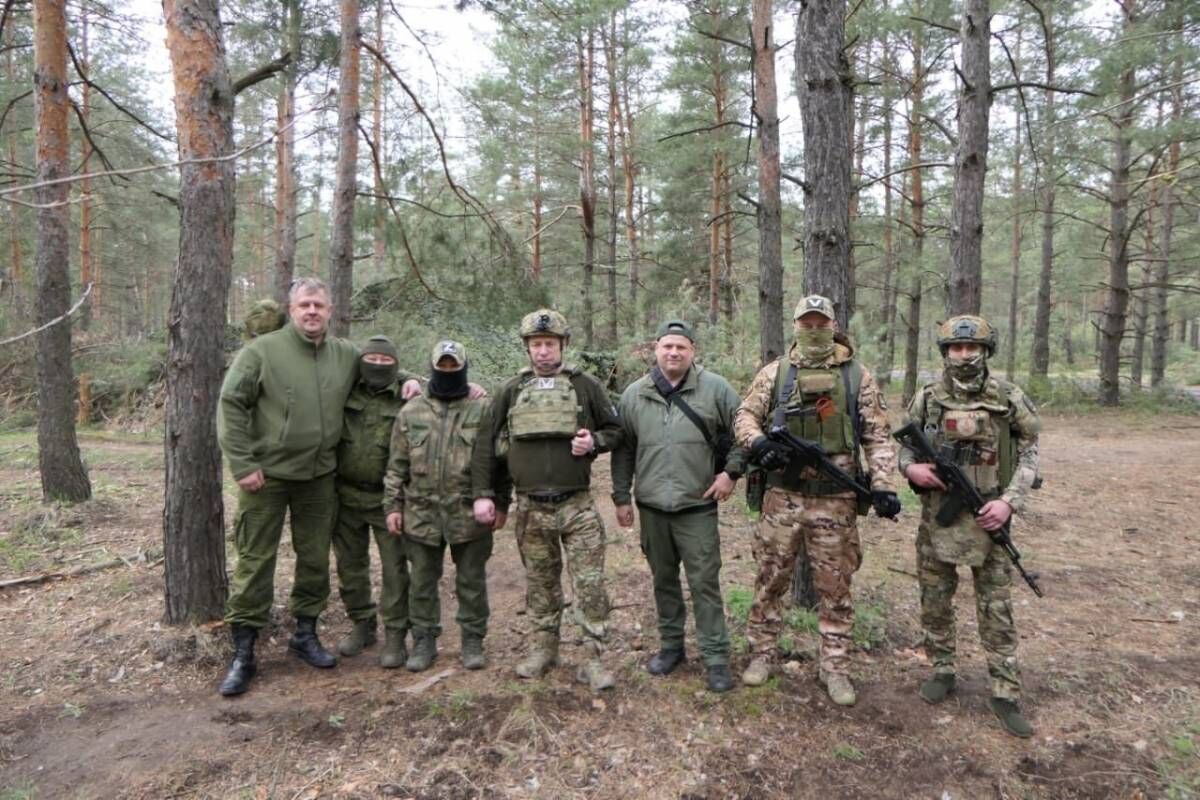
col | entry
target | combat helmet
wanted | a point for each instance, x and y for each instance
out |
(545, 322)
(966, 328)
(264, 316)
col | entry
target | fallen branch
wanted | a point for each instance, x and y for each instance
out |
(52, 322)
(33, 580)
(1155, 621)
(421, 686)
(903, 572)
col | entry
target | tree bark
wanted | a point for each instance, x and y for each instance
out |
(1162, 269)
(1112, 323)
(770, 224)
(63, 474)
(85, 184)
(585, 47)
(1039, 366)
(379, 233)
(883, 374)
(286, 192)
(823, 87)
(965, 279)
(341, 274)
(193, 515)
(610, 59)
(629, 170)
(912, 345)
(1017, 221)
(858, 147)
(15, 276)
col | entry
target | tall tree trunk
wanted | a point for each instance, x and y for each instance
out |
(858, 147)
(912, 345)
(286, 191)
(770, 225)
(379, 233)
(890, 279)
(62, 471)
(610, 58)
(193, 516)
(629, 170)
(1162, 269)
(965, 279)
(1112, 323)
(823, 86)
(341, 246)
(85, 185)
(15, 276)
(727, 287)
(714, 239)
(585, 47)
(1017, 222)
(1039, 366)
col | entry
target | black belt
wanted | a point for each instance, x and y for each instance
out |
(362, 487)
(553, 498)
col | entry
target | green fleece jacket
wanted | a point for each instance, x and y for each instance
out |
(665, 449)
(282, 403)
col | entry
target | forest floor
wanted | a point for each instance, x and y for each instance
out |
(99, 699)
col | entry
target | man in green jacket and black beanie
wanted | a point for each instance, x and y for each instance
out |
(677, 420)
(279, 424)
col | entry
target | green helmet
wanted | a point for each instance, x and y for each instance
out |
(264, 316)
(545, 322)
(966, 328)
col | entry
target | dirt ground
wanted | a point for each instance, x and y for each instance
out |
(99, 699)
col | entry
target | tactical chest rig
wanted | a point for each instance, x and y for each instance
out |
(544, 408)
(975, 433)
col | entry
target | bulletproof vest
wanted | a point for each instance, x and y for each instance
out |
(819, 407)
(976, 432)
(544, 407)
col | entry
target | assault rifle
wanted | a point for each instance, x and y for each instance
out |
(961, 494)
(813, 454)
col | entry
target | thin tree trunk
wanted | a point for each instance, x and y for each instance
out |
(63, 474)
(379, 233)
(770, 225)
(610, 58)
(890, 280)
(1039, 366)
(727, 287)
(16, 275)
(193, 515)
(586, 52)
(964, 285)
(629, 169)
(1162, 269)
(714, 238)
(1112, 323)
(858, 127)
(85, 185)
(317, 213)
(823, 87)
(341, 246)
(912, 346)
(1017, 222)
(286, 191)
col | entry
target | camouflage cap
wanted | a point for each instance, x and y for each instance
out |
(815, 303)
(675, 327)
(264, 316)
(545, 322)
(966, 328)
(449, 348)
(382, 345)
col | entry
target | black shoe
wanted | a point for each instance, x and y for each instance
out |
(719, 678)
(244, 666)
(305, 644)
(665, 662)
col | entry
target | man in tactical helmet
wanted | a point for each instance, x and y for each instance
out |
(547, 425)
(428, 501)
(819, 393)
(992, 428)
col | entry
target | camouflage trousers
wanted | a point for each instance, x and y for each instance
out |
(547, 531)
(993, 613)
(825, 527)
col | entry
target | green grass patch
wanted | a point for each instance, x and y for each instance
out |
(1180, 769)
(738, 600)
(801, 620)
(847, 752)
(870, 626)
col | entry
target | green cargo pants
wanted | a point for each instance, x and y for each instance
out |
(690, 538)
(258, 527)
(470, 584)
(352, 546)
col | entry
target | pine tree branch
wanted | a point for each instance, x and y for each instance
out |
(78, 303)
(82, 73)
(262, 73)
(705, 129)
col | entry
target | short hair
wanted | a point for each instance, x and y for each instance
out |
(307, 286)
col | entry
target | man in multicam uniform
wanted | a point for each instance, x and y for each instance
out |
(820, 393)
(553, 420)
(993, 428)
(362, 456)
(428, 500)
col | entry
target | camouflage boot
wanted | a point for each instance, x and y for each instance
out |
(473, 656)
(394, 652)
(757, 672)
(361, 636)
(424, 652)
(937, 688)
(594, 673)
(543, 654)
(841, 690)
(1010, 717)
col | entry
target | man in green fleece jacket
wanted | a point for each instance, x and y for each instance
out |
(279, 423)
(678, 488)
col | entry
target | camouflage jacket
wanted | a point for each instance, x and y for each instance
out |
(362, 455)
(429, 469)
(754, 414)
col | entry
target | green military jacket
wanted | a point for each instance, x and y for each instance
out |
(544, 464)
(429, 469)
(362, 455)
(281, 405)
(669, 455)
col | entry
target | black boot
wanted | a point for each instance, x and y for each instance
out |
(665, 661)
(244, 666)
(305, 644)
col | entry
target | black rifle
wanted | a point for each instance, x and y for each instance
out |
(962, 493)
(813, 454)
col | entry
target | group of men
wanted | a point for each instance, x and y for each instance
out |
(351, 445)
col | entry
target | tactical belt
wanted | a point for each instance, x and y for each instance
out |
(362, 487)
(705, 507)
(554, 498)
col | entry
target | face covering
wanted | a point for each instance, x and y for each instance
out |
(816, 344)
(378, 376)
(966, 374)
(448, 385)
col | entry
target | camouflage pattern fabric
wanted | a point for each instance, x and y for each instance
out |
(547, 531)
(993, 611)
(826, 527)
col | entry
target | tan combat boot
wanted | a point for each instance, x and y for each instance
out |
(841, 690)
(543, 654)
(757, 672)
(594, 673)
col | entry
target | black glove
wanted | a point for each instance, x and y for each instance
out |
(768, 454)
(887, 504)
